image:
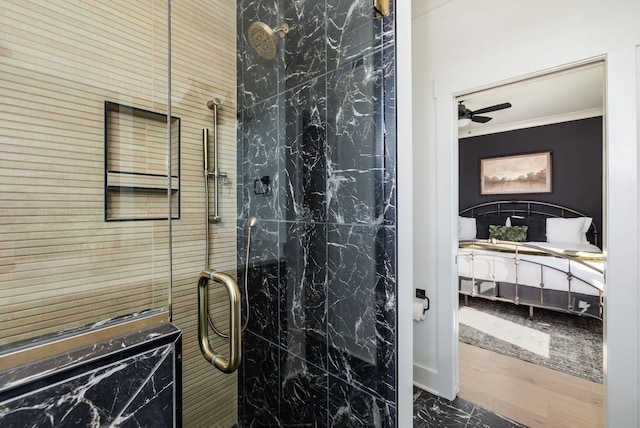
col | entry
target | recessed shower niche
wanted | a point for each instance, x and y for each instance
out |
(135, 164)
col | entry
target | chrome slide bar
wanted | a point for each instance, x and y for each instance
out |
(235, 334)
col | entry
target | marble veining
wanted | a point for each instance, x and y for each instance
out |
(304, 153)
(361, 301)
(355, 142)
(303, 293)
(127, 381)
(431, 411)
(316, 149)
(351, 407)
(261, 158)
(304, 46)
(351, 31)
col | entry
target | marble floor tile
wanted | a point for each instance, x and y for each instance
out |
(431, 411)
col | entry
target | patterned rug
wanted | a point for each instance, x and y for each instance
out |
(563, 342)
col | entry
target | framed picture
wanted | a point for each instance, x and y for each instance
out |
(527, 173)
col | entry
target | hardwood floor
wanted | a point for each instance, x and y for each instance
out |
(529, 394)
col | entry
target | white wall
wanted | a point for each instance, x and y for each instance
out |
(462, 45)
(405, 212)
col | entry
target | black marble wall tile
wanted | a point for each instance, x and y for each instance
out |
(386, 308)
(263, 299)
(352, 31)
(324, 135)
(389, 26)
(260, 78)
(261, 382)
(304, 154)
(355, 142)
(305, 53)
(304, 393)
(153, 404)
(361, 307)
(106, 384)
(351, 407)
(263, 285)
(389, 202)
(261, 160)
(303, 311)
(265, 241)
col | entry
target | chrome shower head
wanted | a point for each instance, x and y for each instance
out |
(251, 222)
(263, 38)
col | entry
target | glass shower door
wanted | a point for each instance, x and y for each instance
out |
(316, 165)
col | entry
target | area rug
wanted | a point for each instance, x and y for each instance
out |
(563, 342)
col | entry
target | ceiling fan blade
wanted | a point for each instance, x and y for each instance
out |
(480, 119)
(492, 108)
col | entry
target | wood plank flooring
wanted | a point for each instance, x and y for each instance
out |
(529, 394)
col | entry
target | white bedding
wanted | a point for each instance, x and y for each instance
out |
(501, 266)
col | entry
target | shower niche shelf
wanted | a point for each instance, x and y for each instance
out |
(135, 164)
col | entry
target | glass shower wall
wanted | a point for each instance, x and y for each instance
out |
(203, 45)
(316, 165)
(83, 165)
(84, 187)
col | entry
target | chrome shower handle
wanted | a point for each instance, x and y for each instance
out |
(235, 334)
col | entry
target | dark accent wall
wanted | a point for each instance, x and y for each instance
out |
(577, 159)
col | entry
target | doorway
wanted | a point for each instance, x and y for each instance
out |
(560, 113)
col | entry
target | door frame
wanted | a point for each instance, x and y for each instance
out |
(603, 203)
(622, 324)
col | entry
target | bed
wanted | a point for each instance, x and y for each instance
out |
(531, 253)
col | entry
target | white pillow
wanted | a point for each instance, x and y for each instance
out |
(568, 229)
(466, 228)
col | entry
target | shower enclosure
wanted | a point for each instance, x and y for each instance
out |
(316, 165)
(103, 223)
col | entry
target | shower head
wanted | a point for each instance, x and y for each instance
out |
(251, 222)
(213, 103)
(263, 38)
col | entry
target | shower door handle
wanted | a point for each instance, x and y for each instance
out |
(235, 334)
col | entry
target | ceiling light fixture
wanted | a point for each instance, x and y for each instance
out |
(463, 121)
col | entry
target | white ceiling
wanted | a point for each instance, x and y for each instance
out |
(571, 94)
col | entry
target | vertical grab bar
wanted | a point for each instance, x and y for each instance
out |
(235, 333)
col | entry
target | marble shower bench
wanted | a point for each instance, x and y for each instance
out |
(130, 381)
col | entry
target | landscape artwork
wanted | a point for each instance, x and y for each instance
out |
(526, 173)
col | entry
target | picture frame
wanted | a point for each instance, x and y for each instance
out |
(523, 173)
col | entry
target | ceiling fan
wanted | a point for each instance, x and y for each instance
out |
(466, 116)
